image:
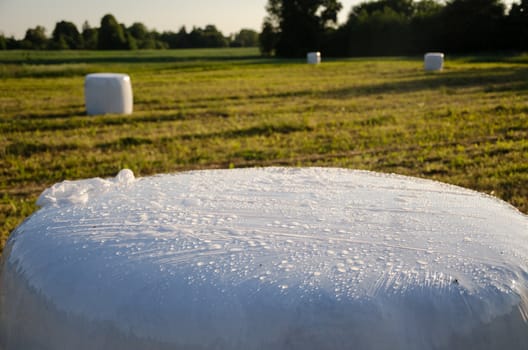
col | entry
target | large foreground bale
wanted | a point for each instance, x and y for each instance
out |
(270, 258)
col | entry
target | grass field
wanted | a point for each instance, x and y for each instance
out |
(194, 109)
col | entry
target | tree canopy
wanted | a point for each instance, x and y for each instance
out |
(112, 35)
(245, 38)
(292, 28)
(90, 36)
(3, 42)
(393, 27)
(66, 36)
(518, 25)
(298, 26)
(35, 38)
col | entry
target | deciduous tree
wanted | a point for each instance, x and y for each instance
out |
(380, 28)
(268, 38)
(111, 35)
(209, 36)
(35, 38)
(473, 25)
(300, 24)
(3, 42)
(245, 38)
(66, 36)
(141, 36)
(90, 36)
(518, 25)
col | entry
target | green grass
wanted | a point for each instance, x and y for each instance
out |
(195, 109)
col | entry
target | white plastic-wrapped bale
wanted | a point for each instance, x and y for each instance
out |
(313, 57)
(434, 61)
(107, 93)
(272, 258)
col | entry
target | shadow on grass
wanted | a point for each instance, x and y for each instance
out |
(104, 57)
(260, 130)
(45, 115)
(497, 79)
(124, 142)
(37, 122)
(80, 66)
(490, 80)
(495, 58)
(29, 148)
(493, 79)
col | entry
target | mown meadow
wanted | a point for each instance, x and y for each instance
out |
(198, 109)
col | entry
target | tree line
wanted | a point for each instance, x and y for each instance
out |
(294, 27)
(112, 35)
(393, 27)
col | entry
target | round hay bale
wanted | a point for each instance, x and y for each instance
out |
(434, 61)
(313, 57)
(273, 258)
(107, 93)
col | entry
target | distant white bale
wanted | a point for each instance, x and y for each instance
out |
(313, 57)
(270, 258)
(108, 93)
(434, 61)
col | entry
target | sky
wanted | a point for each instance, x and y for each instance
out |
(229, 16)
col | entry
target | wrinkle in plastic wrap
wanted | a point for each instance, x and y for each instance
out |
(272, 258)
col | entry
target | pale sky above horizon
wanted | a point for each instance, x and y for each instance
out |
(229, 16)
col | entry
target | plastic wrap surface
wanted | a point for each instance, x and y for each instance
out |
(271, 258)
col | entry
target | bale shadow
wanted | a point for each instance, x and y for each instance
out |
(489, 79)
